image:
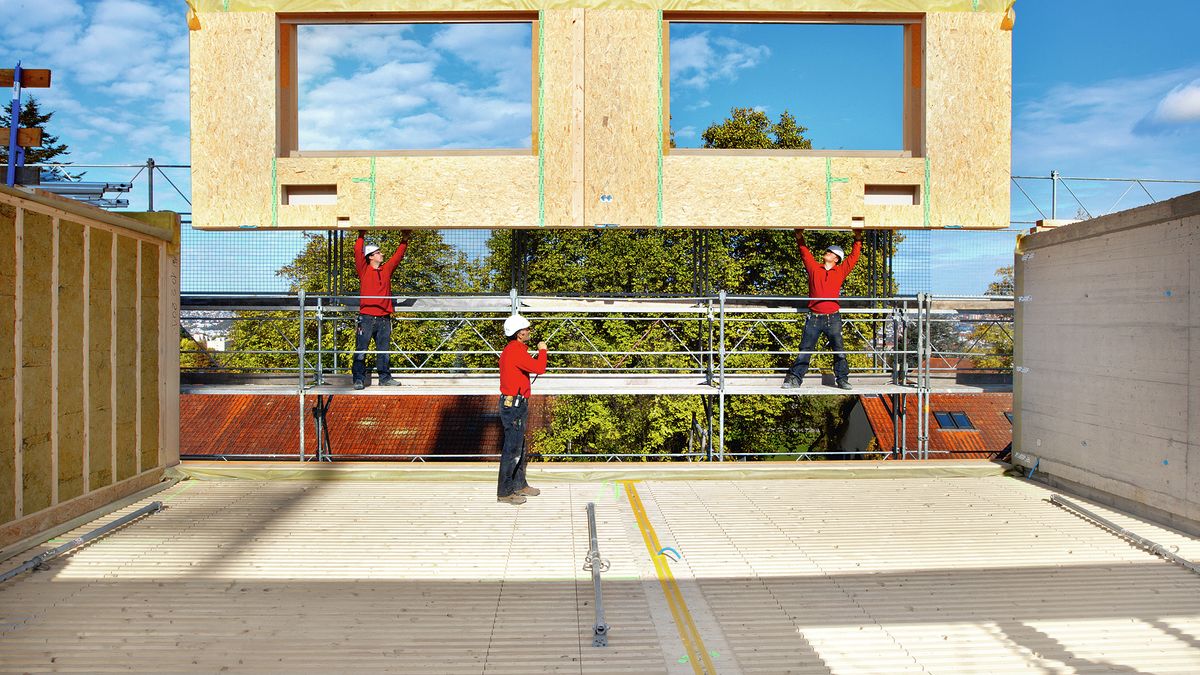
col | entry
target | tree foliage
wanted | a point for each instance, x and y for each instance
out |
(751, 128)
(32, 117)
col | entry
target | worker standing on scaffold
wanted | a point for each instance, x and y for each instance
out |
(375, 309)
(515, 367)
(824, 281)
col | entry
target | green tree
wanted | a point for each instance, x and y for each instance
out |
(750, 128)
(1004, 284)
(993, 339)
(32, 117)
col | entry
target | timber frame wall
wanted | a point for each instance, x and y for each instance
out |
(89, 374)
(600, 100)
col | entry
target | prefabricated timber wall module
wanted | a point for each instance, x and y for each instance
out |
(601, 153)
(89, 374)
(1107, 359)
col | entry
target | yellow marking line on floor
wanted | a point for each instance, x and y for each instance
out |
(697, 654)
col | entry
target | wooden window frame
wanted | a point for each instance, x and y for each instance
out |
(912, 108)
(287, 94)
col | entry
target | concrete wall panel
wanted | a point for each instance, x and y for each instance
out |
(1108, 356)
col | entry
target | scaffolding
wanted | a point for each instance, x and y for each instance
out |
(713, 346)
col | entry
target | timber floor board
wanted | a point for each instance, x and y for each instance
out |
(934, 575)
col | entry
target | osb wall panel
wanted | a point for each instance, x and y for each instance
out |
(126, 352)
(600, 137)
(151, 258)
(8, 417)
(621, 118)
(100, 359)
(968, 118)
(415, 192)
(36, 383)
(561, 140)
(64, 300)
(71, 399)
(233, 118)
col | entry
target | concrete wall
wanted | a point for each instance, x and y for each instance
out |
(1108, 359)
(89, 374)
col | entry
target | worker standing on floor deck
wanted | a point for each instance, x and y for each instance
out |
(375, 309)
(515, 367)
(825, 280)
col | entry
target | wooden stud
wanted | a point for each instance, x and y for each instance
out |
(137, 363)
(54, 309)
(85, 366)
(666, 86)
(18, 359)
(534, 88)
(112, 359)
(287, 91)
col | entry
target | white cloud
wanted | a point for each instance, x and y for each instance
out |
(1180, 106)
(698, 60)
(1102, 130)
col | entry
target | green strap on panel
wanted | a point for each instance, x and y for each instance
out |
(926, 195)
(371, 182)
(274, 192)
(829, 181)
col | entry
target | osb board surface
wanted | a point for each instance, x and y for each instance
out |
(962, 575)
(36, 383)
(233, 118)
(612, 94)
(8, 453)
(100, 358)
(416, 192)
(561, 142)
(621, 118)
(70, 359)
(475, 5)
(968, 128)
(724, 191)
(126, 295)
(150, 338)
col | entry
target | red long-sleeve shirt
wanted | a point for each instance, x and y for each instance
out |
(515, 366)
(823, 283)
(376, 282)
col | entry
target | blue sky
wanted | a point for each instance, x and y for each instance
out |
(1100, 88)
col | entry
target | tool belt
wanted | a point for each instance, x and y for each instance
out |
(512, 401)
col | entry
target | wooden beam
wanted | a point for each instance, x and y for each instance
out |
(31, 78)
(26, 137)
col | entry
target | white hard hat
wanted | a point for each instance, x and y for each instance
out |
(837, 250)
(370, 248)
(515, 323)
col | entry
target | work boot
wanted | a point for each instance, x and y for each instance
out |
(529, 491)
(514, 499)
(390, 382)
(358, 385)
(791, 382)
(844, 384)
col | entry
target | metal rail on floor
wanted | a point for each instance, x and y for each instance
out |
(595, 564)
(713, 346)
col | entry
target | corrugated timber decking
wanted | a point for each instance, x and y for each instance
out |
(933, 574)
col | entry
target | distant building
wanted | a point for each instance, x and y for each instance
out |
(961, 426)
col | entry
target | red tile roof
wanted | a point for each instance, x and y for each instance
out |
(992, 433)
(253, 424)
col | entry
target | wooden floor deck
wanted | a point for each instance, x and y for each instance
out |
(924, 574)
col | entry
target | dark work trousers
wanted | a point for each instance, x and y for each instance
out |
(816, 325)
(513, 457)
(379, 329)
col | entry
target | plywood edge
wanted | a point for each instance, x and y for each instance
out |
(56, 206)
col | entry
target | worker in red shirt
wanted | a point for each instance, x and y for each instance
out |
(824, 281)
(515, 367)
(375, 309)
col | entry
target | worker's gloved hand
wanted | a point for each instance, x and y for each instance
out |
(405, 235)
(362, 234)
(541, 346)
(799, 236)
(858, 234)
